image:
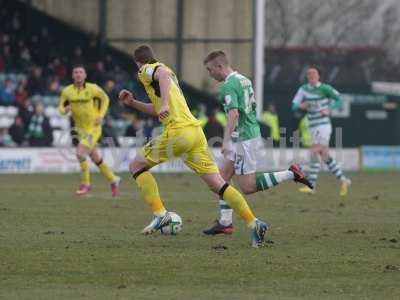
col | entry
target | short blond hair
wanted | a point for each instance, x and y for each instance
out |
(219, 55)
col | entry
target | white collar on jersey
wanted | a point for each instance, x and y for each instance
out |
(315, 86)
(230, 74)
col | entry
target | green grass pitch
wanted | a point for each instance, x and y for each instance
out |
(54, 245)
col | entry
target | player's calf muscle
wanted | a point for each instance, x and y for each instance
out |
(247, 183)
(248, 189)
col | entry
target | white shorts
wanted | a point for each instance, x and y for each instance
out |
(244, 156)
(320, 135)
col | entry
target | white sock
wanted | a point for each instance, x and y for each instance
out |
(284, 175)
(225, 213)
(252, 225)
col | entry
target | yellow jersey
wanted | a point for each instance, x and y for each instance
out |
(87, 104)
(179, 113)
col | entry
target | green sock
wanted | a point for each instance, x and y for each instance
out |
(265, 181)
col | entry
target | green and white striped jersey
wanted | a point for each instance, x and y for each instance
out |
(237, 93)
(320, 98)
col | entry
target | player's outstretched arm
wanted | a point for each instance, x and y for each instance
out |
(127, 98)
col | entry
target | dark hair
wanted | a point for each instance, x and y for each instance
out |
(314, 67)
(144, 54)
(78, 66)
(216, 54)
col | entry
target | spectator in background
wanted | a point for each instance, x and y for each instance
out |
(58, 68)
(36, 85)
(25, 111)
(4, 40)
(93, 50)
(40, 133)
(115, 109)
(99, 74)
(16, 22)
(21, 95)
(54, 87)
(148, 129)
(20, 45)
(270, 119)
(135, 129)
(35, 48)
(109, 137)
(221, 117)
(266, 133)
(45, 39)
(2, 63)
(24, 60)
(305, 133)
(213, 129)
(109, 63)
(119, 75)
(8, 58)
(77, 58)
(5, 139)
(7, 95)
(201, 114)
(17, 131)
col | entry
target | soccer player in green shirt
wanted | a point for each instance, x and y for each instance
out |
(242, 139)
(317, 100)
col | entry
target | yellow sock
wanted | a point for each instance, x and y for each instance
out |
(148, 186)
(85, 173)
(239, 205)
(105, 170)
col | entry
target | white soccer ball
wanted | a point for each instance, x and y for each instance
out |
(174, 227)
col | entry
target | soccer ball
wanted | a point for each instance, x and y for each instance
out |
(174, 227)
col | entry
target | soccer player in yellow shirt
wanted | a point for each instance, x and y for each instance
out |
(88, 104)
(183, 138)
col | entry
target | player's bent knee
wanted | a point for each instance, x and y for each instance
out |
(137, 173)
(98, 162)
(315, 150)
(80, 157)
(96, 158)
(133, 168)
(214, 181)
(137, 167)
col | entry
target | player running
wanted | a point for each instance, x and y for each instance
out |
(182, 137)
(242, 139)
(316, 99)
(88, 104)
